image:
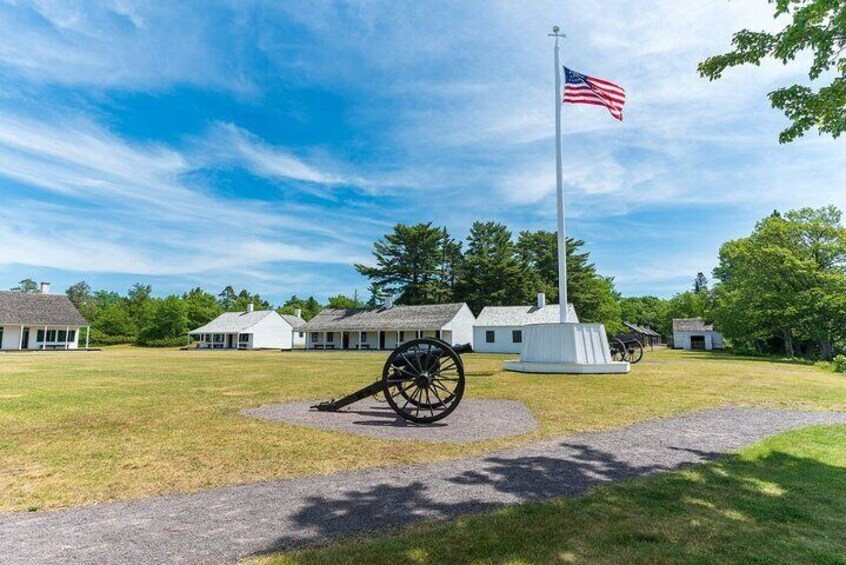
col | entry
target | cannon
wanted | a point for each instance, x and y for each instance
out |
(422, 381)
(630, 350)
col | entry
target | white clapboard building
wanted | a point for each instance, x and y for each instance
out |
(389, 326)
(253, 329)
(695, 333)
(499, 329)
(39, 321)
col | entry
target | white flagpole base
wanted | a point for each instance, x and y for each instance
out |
(566, 348)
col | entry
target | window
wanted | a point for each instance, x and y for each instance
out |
(302, 334)
(51, 335)
(62, 336)
(330, 337)
(218, 338)
(517, 336)
(1, 337)
(363, 337)
(314, 337)
(39, 336)
(244, 338)
(71, 336)
(490, 336)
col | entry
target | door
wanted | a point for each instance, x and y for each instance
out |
(697, 342)
(230, 341)
(346, 340)
(25, 339)
(381, 340)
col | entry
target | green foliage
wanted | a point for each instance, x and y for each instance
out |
(422, 264)
(839, 364)
(416, 263)
(200, 307)
(114, 320)
(309, 307)
(647, 311)
(168, 321)
(786, 283)
(491, 273)
(816, 26)
(26, 285)
(81, 296)
(345, 302)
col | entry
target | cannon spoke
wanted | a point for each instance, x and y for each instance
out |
(427, 376)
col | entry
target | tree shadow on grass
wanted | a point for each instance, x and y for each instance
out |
(779, 508)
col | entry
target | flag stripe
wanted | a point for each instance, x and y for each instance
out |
(583, 89)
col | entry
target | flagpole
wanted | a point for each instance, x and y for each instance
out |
(563, 304)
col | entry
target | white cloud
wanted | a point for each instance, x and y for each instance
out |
(129, 208)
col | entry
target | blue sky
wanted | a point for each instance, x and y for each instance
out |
(267, 144)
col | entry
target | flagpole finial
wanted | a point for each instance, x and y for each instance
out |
(555, 29)
(556, 32)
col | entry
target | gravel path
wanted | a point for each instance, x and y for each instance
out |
(225, 524)
(474, 420)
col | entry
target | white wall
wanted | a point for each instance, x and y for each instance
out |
(461, 327)
(299, 340)
(12, 337)
(681, 340)
(503, 339)
(272, 332)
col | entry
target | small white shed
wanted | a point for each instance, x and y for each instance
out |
(253, 329)
(499, 329)
(696, 334)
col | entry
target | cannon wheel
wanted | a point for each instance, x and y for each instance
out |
(618, 349)
(423, 380)
(634, 351)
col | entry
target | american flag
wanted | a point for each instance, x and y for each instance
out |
(582, 89)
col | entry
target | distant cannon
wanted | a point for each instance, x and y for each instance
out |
(630, 350)
(422, 381)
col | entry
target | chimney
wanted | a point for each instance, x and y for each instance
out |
(298, 312)
(541, 299)
(389, 301)
(250, 307)
(45, 288)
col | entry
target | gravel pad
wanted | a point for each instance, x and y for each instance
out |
(227, 524)
(473, 420)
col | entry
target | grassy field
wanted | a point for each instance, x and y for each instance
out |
(79, 428)
(783, 501)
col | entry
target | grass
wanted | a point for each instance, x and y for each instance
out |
(783, 501)
(80, 428)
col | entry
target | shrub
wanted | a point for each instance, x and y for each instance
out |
(839, 364)
(163, 342)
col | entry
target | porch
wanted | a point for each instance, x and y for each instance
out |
(368, 340)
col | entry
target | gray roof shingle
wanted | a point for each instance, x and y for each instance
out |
(691, 325)
(36, 309)
(424, 317)
(641, 329)
(493, 316)
(293, 320)
(233, 322)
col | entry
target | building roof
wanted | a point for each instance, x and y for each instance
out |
(641, 329)
(233, 322)
(424, 317)
(691, 325)
(293, 320)
(522, 315)
(36, 309)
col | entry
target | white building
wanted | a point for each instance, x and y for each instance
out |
(296, 321)
(499, 329)
(253, 329)
(695, 333)
(31, 320)
(385, 328)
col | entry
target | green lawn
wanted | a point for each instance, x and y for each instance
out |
(783, 501)
(78, 428)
